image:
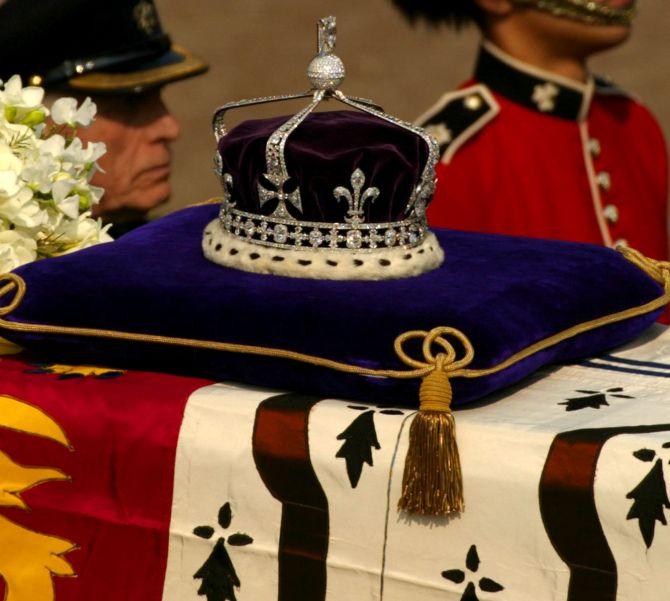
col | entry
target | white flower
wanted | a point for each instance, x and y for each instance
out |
(23, 105)
(14, 94)
(53, 146)
(38, 175)
(16, 249)
(96, 193)
(45, 189)
(65, 198)
(10, 185)
(65, 112)
(76, 153)
(8, 160)
(22, 210)
(81, 233)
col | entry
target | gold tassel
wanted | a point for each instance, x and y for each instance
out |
(433, 482)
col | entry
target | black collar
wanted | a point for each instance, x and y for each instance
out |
(532, 87)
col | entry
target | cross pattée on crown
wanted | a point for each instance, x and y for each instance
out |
(278, 181)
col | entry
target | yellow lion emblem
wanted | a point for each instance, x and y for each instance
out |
(28, 560)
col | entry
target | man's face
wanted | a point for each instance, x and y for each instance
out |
(574, 38)
(138, 131)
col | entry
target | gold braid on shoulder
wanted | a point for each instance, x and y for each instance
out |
(432, 482)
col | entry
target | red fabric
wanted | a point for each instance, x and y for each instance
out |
(116, 508)
(525, 174)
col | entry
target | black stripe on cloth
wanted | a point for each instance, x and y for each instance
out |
(569, 513)
(281, 453)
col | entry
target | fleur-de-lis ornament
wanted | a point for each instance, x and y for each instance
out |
(356, 202)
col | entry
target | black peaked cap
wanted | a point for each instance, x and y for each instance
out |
(97, 46)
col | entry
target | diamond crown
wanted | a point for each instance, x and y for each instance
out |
(326, 73)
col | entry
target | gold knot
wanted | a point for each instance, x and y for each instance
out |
(444, 361)
(435, 392)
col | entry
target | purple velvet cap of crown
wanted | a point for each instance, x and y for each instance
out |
(322, 154)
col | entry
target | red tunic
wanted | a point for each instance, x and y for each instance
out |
(528, 153)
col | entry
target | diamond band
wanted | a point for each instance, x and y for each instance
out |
(287, 233)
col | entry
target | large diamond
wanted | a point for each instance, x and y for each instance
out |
(249, 228)
(280, 234)
(390, 238)
(315, 238)
(354, 239)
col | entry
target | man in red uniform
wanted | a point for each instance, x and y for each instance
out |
(534, 145)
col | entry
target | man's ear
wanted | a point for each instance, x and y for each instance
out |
(498, 8)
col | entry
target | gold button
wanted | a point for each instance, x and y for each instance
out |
(35, 80)
(621, 243)
(604, 180)
(473, 102)
(611, 213)
(594, 147)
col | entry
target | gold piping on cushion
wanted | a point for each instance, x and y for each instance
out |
(432, 483)
(101, 81)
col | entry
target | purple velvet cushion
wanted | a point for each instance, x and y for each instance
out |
(503, 293)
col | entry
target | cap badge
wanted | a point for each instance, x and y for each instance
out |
(146, 17)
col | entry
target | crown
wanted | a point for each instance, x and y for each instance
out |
(338, 195)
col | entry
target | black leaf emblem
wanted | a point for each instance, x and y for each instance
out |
(472, 563)
(650, 500)
(219, 579)
(218, 575)
(593, 399)
(359, 440)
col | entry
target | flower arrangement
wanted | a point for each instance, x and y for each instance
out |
(46, 194)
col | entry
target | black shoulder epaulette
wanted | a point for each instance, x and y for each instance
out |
(458, 116)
